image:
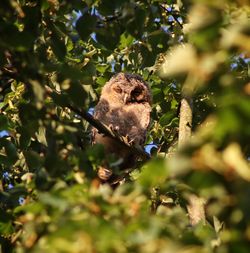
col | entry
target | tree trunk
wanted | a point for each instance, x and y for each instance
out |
(185, 125)
(196, 209)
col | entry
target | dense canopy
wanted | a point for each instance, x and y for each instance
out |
(55, 57)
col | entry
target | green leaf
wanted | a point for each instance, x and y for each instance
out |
(111, 41)
(154, 173)
(166, 118)
(3, 122)
(9, 156)
(53, 200)
(218, 226)
(148, 57)
(125, 40)
(58, 45)
(133, 19)
(77, 94)
(85, 25)
(75, 73)
(95, 153)
(6, 227)
(60, 99)
(25, 138)
(33, 160)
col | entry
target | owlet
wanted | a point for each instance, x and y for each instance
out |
(124, 106)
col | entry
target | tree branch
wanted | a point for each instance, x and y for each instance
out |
(196, 210)
(102, 128)
(138, 150)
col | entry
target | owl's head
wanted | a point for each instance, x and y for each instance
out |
(126, 89)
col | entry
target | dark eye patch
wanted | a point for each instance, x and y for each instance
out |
(136, 92)
(137, 95)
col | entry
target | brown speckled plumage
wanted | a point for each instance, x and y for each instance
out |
(124, 106)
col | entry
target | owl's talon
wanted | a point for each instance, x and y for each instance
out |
(104, 174)
(113, 128)
(131, 142)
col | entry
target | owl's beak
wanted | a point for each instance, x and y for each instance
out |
(125, 99)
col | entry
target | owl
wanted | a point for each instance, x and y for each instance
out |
(124, 106)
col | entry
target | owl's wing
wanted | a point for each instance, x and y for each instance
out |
(138, 125)
(145, 116)
(141, 112)
(101, 109)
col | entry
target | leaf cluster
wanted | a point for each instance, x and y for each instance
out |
(55, 56)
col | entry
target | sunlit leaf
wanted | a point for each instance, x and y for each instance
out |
(153, 173)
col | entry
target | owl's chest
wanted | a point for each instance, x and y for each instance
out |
(121, 115)
(128, 117)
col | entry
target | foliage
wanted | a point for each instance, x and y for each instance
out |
(55, 53)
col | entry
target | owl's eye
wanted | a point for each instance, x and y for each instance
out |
(117, 89)
(136, 92)
(137, 95)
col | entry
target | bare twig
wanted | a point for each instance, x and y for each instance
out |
(170, 13)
